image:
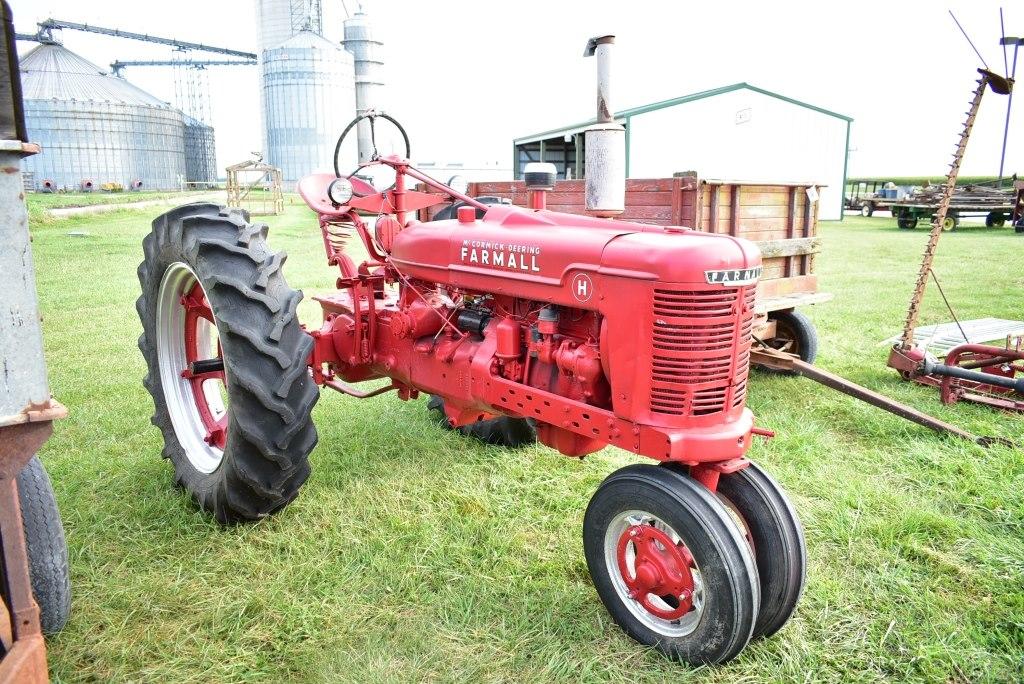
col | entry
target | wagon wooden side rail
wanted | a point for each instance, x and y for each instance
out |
(782, 218)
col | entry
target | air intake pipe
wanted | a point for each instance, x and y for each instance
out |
(605, 141)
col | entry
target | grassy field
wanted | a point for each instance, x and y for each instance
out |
(414, 555)
(83, 199)
(40, 202)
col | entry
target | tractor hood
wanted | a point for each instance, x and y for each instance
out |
(511, 248)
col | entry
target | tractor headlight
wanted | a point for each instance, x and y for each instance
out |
(340, 191)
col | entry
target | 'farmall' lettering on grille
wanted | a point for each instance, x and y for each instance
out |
(736, 277)
(501, 255)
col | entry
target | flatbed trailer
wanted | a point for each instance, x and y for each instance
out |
(908, 213)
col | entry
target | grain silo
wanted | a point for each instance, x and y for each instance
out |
(361, 41)
(307, 87)
(96, 128)
(200, 152)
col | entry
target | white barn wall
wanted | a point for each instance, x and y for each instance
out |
(780, 141)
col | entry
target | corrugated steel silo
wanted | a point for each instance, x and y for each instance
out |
(308, 98)
(97, 127)
(367, 53)
(200, 153)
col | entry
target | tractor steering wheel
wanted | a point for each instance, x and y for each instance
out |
(372, 116)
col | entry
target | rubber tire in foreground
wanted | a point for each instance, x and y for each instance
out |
(46, 546)
(270, 432)
(502, 431)
(723, 556)
(776, 537)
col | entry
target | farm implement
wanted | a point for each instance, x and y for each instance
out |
(981, 373)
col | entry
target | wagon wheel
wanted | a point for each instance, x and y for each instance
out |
(867, 209)
(995, 219)
(950, 222)
(906, 223)
(503, 430)
(670, 565)
(794, 334)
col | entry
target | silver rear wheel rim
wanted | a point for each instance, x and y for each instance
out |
(188, 425)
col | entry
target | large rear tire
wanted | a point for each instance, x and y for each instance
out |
(227, 361)
(504, 431)
(46, 546)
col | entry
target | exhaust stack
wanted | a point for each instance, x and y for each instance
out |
(605, 141)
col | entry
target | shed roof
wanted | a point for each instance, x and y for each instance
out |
(52, 72)
(627, 113)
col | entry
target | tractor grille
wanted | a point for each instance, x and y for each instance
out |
(701, 350)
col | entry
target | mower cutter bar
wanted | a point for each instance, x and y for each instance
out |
(777, 360)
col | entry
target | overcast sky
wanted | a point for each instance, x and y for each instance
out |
(467, 76)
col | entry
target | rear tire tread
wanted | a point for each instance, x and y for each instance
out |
(270, 430)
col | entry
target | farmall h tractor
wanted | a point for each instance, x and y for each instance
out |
(583, 331)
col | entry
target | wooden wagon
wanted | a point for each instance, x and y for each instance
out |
(782, 218)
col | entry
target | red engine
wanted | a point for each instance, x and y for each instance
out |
(604, 332)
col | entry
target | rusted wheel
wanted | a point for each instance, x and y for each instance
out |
(794, 334)
(670, 565)
(227, 361)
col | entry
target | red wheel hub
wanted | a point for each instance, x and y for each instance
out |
(661, 568)
(197, 370)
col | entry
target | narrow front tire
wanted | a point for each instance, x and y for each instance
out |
(670, 565)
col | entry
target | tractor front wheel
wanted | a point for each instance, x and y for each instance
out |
(770, 524)
(227, 361)
(670, 565)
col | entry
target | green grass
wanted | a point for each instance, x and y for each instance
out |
(52, 200)
(39, 203)
(414, 555)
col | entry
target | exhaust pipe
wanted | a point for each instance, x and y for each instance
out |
(605, 141)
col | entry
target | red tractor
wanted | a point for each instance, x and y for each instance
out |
(521, 323)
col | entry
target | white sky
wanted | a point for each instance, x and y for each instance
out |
(467, 76)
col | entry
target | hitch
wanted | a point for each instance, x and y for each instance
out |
(772, 358)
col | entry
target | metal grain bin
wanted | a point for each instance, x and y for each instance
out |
(91, 125)
(200, 155)
(308, 97)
